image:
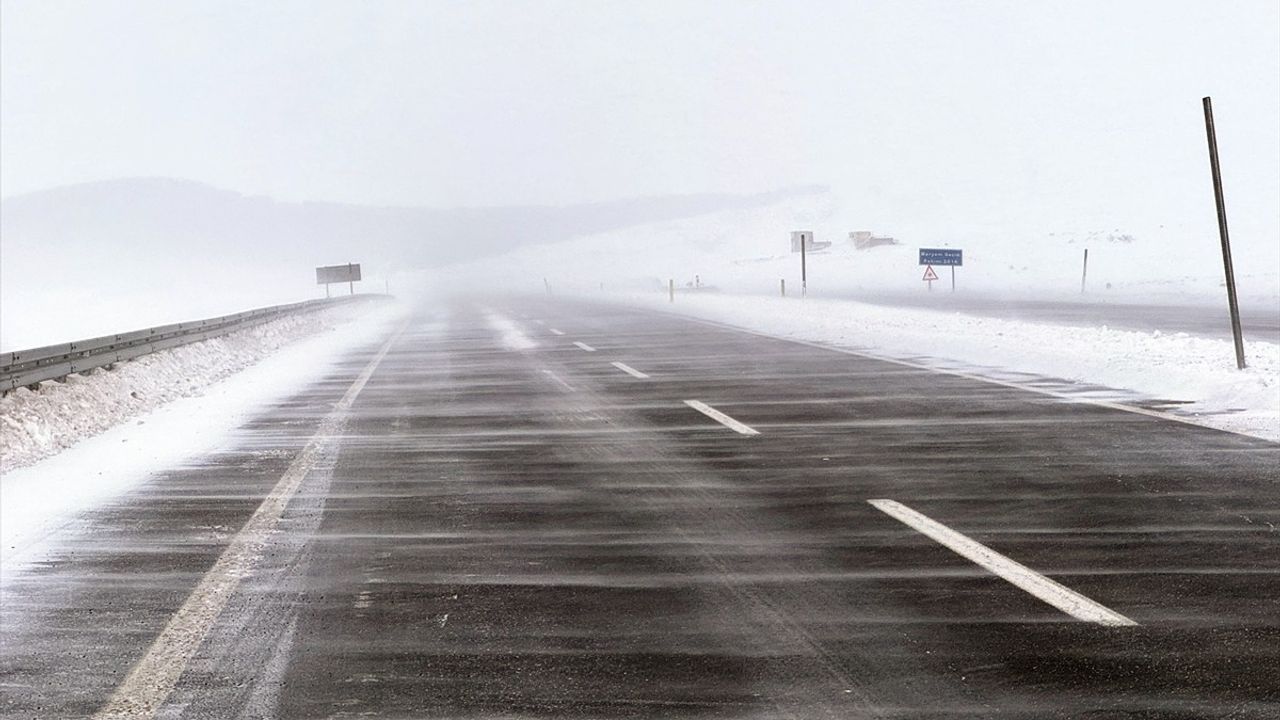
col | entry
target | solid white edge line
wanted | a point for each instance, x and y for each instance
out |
(584, 346)
(556, 332)
(630, 370)
(1065, 599)
(152, 679)
(721, 418)
(968, 376)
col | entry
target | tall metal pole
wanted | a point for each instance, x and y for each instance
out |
(1222, 232)
(1084, 273)
(804, 277)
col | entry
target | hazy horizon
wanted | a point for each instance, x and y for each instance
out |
(1008, 128)
(86, 184)
(915, 111)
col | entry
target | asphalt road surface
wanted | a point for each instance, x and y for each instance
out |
(538, 509)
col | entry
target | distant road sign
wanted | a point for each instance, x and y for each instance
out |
(929, 274)
(338, 273)
(941, 256)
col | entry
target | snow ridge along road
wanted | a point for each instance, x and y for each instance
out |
(1181, 377)
(152, 679)
(38, 424)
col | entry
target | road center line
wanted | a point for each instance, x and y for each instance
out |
(152, 679)
(630, 370)
(1065, 599)
(721, 418)
(584, 346)
(556, 332)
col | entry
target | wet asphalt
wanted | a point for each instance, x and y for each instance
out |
(532, 532)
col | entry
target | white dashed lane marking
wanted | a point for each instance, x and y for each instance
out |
(721, 418)
(630, 370)
(1065, 599)
(584, 346)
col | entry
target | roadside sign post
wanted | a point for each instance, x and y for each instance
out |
(1232, 304)
(930, 276)
(329, 274)
(945, 257)
(801, 241)
(804, 277)
(1084, 273)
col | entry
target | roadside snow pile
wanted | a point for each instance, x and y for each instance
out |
(41, 501)
(37, 424)
(1198, 374)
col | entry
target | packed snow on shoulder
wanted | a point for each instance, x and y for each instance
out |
(165, 408)
(35, 424)
(1193, 378)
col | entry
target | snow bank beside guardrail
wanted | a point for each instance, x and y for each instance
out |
(35, 424)
(1191, 378)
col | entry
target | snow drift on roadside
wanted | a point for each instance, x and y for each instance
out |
(1199, 373)
(37, 424)
(36, 501)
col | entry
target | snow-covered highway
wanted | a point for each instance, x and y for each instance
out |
(545, 508)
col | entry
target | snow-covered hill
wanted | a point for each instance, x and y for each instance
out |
(748, 251)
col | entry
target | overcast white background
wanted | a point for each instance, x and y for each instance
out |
(1039, 109)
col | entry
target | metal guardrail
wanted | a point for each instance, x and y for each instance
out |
(23, 368)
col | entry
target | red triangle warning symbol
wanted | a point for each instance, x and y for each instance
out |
(929, 274)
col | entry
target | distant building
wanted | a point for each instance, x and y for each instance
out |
(864, 240)
(806, 237)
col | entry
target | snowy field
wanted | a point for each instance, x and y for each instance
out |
(747, 252)
(108, 431)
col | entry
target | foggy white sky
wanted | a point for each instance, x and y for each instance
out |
(948, 108)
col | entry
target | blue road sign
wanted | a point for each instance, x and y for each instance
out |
(941, 256)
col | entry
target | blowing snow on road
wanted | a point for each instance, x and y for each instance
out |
(524, 361)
